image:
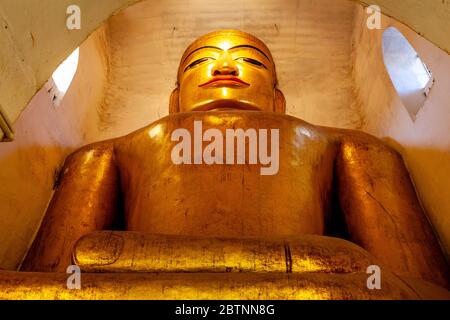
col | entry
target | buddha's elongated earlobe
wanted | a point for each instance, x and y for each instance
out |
(174, 103)
(280, 102)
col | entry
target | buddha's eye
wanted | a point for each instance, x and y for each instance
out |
(252, 61)
(197, 62)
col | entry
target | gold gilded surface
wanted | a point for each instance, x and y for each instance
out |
(226, 200)
(108, 251)
(330, 182)
(85, 201)
(232, 286)
(383, 211)
(227, 69)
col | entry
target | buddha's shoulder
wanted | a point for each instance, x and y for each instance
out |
(224, 120)
(363, 141)
(162, 129)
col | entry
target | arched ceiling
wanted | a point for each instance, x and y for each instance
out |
(34, 40)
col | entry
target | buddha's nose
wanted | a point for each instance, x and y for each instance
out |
(225, 66)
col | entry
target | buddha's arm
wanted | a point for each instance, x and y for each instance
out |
(382, 211)
(85, 201)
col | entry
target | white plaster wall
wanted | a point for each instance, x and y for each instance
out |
(425, 143)
(45, 134)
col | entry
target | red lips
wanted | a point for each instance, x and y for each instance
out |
(219, 81)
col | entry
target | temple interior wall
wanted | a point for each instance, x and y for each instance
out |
(329, 67)
(425, 142)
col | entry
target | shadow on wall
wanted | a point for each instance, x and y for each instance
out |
(434, 166)
(30, 174)
(428, 169)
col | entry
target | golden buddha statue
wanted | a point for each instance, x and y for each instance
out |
(305, 221)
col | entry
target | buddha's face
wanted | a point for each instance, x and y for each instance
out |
(226, 70)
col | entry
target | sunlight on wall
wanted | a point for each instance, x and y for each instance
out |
(409, 74)
(65, 73)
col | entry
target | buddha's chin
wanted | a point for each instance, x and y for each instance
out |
(226, 105)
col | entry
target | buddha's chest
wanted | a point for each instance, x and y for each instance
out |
(228, 181)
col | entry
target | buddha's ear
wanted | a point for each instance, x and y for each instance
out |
(280, 102)
(174, 104)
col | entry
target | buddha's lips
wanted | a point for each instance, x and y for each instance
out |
(225, 81)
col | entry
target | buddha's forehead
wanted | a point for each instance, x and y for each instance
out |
(226, 39)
